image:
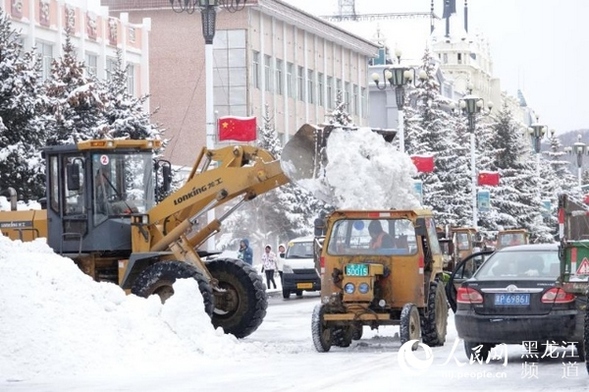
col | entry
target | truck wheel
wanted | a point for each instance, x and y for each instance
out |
(285, 294)
(476, 353)
(435, 321)
(320, 331)
(409, 327)
(342, 336)
(241, 307)
(158, 279)
(358, 329)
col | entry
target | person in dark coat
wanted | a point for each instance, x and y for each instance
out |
(245, 252)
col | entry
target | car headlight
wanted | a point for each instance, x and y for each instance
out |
(363, 287)
(287, 269)
(349, 288)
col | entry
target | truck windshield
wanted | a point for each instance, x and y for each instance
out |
(123, 184)
(372, 236)
(299, 250)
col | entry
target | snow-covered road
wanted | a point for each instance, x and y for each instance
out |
(285, 360)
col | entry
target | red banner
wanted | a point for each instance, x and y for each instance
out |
(242, 129)
(423, 163)
(488, 178)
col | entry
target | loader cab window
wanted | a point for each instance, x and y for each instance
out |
(75, 203)
(373, 236)
(123, 184)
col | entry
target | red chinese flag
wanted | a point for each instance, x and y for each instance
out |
(242, 129)
(488, 178)
(423, 163)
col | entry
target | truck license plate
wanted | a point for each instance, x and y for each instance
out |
(356, 269)
(304, 285)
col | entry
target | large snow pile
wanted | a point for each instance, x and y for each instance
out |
(363, 171)
(56, 321)
(366, 172)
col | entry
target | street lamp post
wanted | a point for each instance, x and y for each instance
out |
(208, 13)
(537, 132)
(472, 105)
(579, 149)
(398, 77)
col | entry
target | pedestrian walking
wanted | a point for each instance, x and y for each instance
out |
(280, 260)
(269, 265)
(245, 252)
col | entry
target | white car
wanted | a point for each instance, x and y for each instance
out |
(299, 273)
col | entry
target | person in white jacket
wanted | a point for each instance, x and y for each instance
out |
(280, 260)
(269, 265)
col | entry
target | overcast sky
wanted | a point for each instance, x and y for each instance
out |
(538, 46)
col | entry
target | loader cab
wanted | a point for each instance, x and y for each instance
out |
(94, 188)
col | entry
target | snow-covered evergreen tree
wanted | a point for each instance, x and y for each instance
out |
(76, 106)
(432, 132)
(125, 117)
(21, 134)
(517, 198)
(339, 115)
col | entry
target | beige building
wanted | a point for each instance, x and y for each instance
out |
(96, 36)
(268, 54)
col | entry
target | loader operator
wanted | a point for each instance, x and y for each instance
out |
(380, 239)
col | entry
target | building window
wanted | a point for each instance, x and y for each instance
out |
(329, 88)
(320, 89)
(46, 53)
(131, 79)
(231, 72)
(111, 64)
(290, 80)
(279, 72)
(348, 96)
(256, 69)
(445, 58)
(310, 86)
(301, 83)
(364, 103)
(356, 100)
(338, 86)
(459, 58)
(267, 73)
(91, 65)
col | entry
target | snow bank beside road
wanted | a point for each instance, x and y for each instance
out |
(56, 321)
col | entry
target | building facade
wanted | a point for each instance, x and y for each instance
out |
(269, 57)
(96, 35)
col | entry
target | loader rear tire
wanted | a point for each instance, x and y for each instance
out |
(242, 307)
(434, 323)
(158, 279)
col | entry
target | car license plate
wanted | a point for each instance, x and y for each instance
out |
(304, 285)
(356, 270)
(512, 299)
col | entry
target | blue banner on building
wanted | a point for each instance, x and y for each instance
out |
(484, 201)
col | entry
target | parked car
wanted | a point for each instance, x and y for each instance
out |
(512, 298)
(299, 273)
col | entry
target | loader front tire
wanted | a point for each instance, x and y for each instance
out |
(241, 307)
(158, 279)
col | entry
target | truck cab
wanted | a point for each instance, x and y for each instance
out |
(299, 272)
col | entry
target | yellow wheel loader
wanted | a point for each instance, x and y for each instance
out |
(100, 211)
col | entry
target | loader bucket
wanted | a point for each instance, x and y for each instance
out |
(304, 158)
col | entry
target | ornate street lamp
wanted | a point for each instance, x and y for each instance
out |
(471, 105)
(537, 131)
(579, 149)
(398, 77)
(208, 12)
